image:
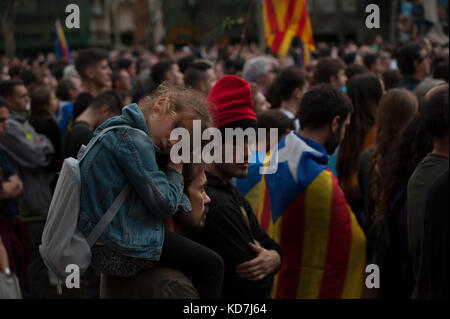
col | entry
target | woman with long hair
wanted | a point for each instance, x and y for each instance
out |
(394, 112)
(388, 237)
(365, 92)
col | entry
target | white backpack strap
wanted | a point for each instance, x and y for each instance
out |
(108, 217)
(99, 135)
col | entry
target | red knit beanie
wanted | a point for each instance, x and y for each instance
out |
(230, 103)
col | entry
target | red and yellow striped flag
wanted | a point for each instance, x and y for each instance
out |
(285, 19)
(302, 207)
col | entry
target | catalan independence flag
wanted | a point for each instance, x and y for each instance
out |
(304, 210)
(62, 47)
(285, 19)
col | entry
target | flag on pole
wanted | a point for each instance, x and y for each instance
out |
(285, 19)
(62, 47)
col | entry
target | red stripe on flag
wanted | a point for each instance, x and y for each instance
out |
(272, 16)
(276, 44)
(289, 13)
(265, 215)
(291, 242)
(303, 19)
(339, 244)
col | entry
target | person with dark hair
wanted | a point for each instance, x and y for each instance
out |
(388, 236)
(365, 92)
(200, 76)
(396, 108)
(165, 282)
(122, 85)
(331, 70)
(434, 113)
(414, 64)
(92, 66)
(127, 65)
(131, 67)
(354, 69)
(305, 216)
(373, 63)
(166, 71)
(441, 71)
(104, 106)
(30, 153)
(43, 107)
(13, 231)
(270, 119)
(67, 92)
(185, 62)
(31, 80)
(290, 85)
(14, 72)
(392, 79)
(231, 229)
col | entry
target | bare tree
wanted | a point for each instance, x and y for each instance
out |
(9, 11)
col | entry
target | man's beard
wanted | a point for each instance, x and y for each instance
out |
(333, 142)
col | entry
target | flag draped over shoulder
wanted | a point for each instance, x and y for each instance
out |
(285, 19)
(62, 47)
(303, 209)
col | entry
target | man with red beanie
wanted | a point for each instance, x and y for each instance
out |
(231, 229)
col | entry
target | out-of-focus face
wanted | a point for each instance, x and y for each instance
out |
(4, 76)
(19, 99)
(54, 103)
(175, 76)
(336, 137)
(195, 219)
(124, 81)
(4, 116)
(239, 167)
(102, 74)
(211, 79)
(261, 104)
(423, 68)
(341, 78)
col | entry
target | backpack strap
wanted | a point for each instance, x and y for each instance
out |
(106, 219)
(109, 215)
(96, 138)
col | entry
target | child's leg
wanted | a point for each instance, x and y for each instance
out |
(205, 265)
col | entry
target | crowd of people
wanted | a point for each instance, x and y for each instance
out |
(363, 132)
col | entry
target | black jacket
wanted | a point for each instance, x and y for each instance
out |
(230, 226)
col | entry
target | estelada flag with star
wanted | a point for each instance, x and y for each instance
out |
(302, 207)
(285, 19)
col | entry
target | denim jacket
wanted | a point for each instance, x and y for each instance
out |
(122, 155)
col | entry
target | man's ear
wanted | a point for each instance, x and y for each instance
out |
(332, 79)
(89, 71)
(202, 86)
(105, 109)
(8, 100)
(168, 76)
(297, 93)
(335, 124)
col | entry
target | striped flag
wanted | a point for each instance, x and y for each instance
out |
(285, 19)
(304, 210)
(62, 47)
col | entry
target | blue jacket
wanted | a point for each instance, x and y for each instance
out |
(122, 155)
